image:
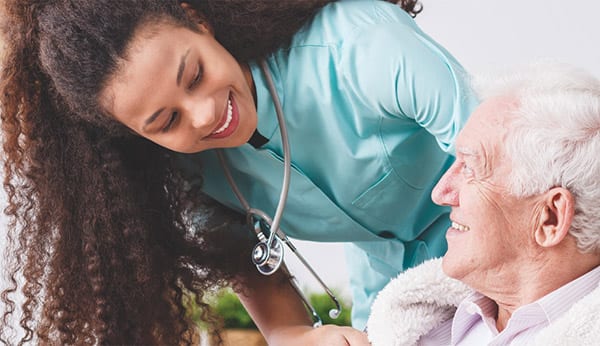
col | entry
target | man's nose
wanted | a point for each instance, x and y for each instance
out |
(445, 191)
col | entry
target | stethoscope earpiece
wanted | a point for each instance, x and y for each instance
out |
(334, 313)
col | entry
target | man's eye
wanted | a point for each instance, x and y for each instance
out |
(196, 79)
(169, 124)
(466, 170)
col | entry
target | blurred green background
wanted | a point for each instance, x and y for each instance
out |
(230, 309)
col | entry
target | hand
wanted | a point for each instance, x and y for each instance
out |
(327, 335)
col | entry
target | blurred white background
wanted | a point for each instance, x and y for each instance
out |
(482, 34)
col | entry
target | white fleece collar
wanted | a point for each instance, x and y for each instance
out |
(422, 298)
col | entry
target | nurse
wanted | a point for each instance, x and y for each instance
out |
(131, 99)
(371, 106)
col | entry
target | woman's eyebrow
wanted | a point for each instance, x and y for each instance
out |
(180, 70)
(182, 67)
(152, 118)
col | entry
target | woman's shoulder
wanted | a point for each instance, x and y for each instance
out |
(363, 12)
(340, 20)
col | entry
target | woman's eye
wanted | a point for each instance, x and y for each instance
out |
(169, 123)
(197, 78)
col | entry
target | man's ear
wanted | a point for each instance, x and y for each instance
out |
(556, 217)
(197, 17)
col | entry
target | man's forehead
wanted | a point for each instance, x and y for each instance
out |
(500, 110)
(491, 116)
(482, 138)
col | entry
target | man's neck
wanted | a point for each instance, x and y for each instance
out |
(535, 280)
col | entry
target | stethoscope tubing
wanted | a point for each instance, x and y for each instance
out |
(287, 160)
(274, 223)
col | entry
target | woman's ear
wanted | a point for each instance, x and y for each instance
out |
(197, 17)
(556, 217)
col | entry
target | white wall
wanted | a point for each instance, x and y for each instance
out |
(484, 33)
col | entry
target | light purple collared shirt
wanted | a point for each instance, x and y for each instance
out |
(474, 322)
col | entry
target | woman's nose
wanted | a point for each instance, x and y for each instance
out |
(445, 191)
(200, 113)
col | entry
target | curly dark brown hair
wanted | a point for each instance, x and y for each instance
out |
(106, 244)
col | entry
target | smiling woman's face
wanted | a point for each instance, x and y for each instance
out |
(182, 90)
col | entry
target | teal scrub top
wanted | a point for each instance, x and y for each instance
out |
(372, 106)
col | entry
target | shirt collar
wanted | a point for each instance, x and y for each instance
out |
(265, 109)
(474, 308)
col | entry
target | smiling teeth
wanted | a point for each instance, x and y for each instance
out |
(228, 121)
(460, 227)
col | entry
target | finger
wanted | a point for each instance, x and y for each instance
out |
(356, 338)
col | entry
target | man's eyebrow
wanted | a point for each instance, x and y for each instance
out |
(152, 118)
(466, 151)
(181, 67)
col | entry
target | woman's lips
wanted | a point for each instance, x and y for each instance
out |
(229, 122)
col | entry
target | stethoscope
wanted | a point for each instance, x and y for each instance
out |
(267, 254)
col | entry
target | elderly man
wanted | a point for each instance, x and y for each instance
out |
(523, 257)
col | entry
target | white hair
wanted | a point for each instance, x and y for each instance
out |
(554, 139)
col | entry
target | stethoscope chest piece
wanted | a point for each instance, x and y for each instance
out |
(266, 260)
(267, 254)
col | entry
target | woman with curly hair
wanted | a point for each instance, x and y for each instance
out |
(111, 111)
